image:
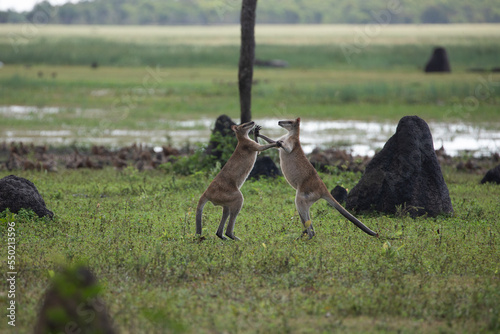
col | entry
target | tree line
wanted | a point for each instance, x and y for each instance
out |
(212, 12)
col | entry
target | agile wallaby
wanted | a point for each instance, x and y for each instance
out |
(225, 187)
(302, 176)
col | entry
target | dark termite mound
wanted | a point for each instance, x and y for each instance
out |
(405, 174)
(18, 193)
(438, 61)
(493, 176)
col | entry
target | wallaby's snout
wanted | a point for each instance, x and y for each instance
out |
(224, 190)
(284, 124)
(302, 176)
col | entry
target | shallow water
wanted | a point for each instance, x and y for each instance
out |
(358, 137)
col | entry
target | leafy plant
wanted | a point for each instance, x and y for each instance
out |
(203, 162)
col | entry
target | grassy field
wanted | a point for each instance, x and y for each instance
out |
(356, 48)
(265, 34)
(136, 231)
(148, 76)
(91, 102)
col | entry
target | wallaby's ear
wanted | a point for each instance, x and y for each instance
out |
(298, 120)
(234, 127)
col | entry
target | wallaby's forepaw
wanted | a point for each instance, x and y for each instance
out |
(279, 143)
(256, 130)
(256, 133)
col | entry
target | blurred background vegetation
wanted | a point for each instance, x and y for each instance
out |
(203, 12)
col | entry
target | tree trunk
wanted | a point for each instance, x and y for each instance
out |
(247, 55)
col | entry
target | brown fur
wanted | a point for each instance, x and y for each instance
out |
(225, 188)
(302, 176)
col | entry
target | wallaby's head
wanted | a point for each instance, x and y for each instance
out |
(290, 125)
(243, 129)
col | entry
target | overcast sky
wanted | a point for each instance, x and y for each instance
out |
(25, 5)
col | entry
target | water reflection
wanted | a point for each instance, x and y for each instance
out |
(358, 137)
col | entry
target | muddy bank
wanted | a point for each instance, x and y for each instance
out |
(19, 156)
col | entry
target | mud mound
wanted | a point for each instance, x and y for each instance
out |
(405, 173)
(18, 193)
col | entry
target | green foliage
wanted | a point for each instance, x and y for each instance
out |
(202, 161)
(136, 233)
(26, 216)
(224, 145)
(73, 302)
(71, 283)
(149, 12)
(23, 216)
(191, 164)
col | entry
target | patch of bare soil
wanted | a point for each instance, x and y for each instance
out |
(18, 156)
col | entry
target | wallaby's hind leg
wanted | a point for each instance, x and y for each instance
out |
(234, 210)
(303, 206)
(220, 230)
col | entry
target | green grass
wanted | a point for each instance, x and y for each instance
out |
(311, 46)
(149, 76)
(136, 231)
(139, 97)
(84, 51)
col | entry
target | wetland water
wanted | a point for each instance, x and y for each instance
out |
(358, 137)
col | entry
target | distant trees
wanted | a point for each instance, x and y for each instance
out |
(4, 17)
(435, 14)
(154, 12)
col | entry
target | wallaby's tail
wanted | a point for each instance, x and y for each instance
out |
(329, 198)
(199, 212)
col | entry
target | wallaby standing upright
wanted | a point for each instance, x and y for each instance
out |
(301, 175)
(225, 187)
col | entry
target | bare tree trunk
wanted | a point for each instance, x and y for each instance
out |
(247, 55)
